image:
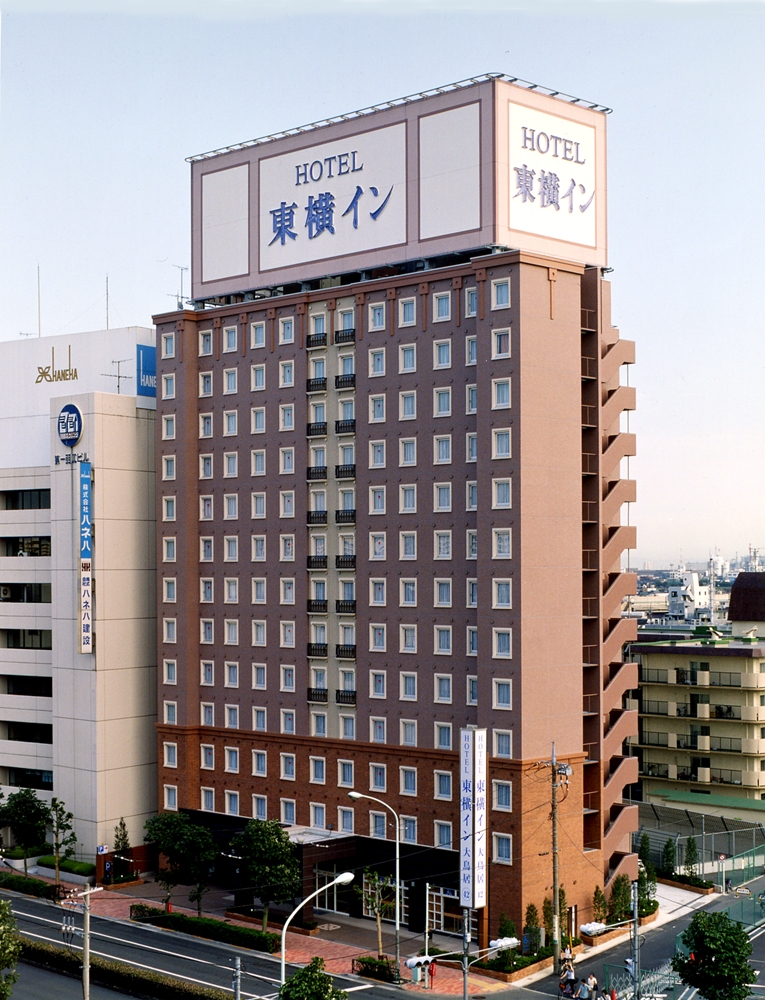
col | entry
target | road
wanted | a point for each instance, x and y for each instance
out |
(194, 959)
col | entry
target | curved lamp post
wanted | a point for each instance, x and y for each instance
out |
(345, 878)
(358, 795)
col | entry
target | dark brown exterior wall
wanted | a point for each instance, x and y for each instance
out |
(568, 680)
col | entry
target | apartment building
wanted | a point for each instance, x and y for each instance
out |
(702, 716)
(390, 502)
(77, 651)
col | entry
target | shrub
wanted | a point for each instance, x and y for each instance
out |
(531, 927)
(17, 853)
(83, 868)
(216, 930)
(118, 975)
(28, 886)
(668, 860)
(506, 926)
(599, 905)
(375, 968)
(620, 903)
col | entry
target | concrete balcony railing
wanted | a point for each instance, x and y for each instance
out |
(625, 724)
(621, 538)
(619, 492)
(622, 445)
(621, 352)
(621, 399)
(624, 773)
(625, 585)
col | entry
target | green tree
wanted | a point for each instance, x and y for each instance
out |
(28, 818)
(691, 857)
(716, 963)
(270, 864)
(563, 912)
(121, 837)
(64, 837)
(531, 927)
(311, 983)
(10, 949)
(378, 894)
(644, 852)
(200, 851)
(599, 905)
(506, 926)
(620, 902)
(668, 859)
(168, 832)
(547, 917)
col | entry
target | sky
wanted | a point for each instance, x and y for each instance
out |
(101, 101)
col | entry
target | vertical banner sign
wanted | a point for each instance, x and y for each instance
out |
(472, 818)
(86, 560)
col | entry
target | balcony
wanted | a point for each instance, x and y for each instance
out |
(345, 381)
(318, 695)
(725, 712)
(316, 340)
(345, 607)
(589, 464)
(345, 471)
(656, 708)
(345, 516)
(317, 607)
(316, 385)
(648, 675)
(345, 336)
(345, 426)
(344, 562)
(724, 776)
(722, 678)
(683, 676)
(317, 429)
(684, 710)
(345, 697)
(726, 744)
(654, 739)
(686, 741)
(317, 649)
(314, 472)
(316, 562)
(345, 652)
(655, 771)
(317, 517)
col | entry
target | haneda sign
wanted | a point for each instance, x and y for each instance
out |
(86, 560)
(473, 818)
(335, 199)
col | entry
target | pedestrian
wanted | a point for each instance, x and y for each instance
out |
(567, 953)
(592, 982)
(584, 990)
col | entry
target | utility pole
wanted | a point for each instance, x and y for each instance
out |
(237, 978)
(560, 774)
(86, 939)
(636, 939)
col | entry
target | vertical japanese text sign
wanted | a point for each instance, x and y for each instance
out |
(86, 560)
(472, 818)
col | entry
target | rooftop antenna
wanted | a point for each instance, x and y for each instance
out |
(181, 268)
(119, 376)
(39, 321)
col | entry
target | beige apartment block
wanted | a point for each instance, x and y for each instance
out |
(702, 713)
(79, 725)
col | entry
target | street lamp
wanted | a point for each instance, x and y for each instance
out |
(345, 878)
(358, 795)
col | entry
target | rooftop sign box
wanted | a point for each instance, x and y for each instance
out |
(484, 162)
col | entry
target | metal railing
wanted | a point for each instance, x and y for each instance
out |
(345, 471)
(316, 472)
(317, 429)
(316, 340)
(316, 385)
(345, 381)
(316, 562)
(345, 336)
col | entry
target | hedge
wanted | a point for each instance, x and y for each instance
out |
(17, 853)
(29, 886)
(83, 868)
(119, 975)
(216, 930)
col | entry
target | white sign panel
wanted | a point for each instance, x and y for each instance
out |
(473, 839)
(338, 198)
(552, 176)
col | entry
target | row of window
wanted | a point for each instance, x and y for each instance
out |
(442, 831)
(376, 320)
(442, 546)
(377, 501)
(502, 590)
(502, 638)
(408, 684)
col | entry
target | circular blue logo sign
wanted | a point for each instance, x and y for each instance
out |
(70, 425)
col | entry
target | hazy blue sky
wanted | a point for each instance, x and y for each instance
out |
(100, 103)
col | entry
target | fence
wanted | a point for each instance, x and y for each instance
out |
(661, 981)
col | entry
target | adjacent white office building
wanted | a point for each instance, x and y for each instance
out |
(77, 560)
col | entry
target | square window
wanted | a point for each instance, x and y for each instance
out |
(377, 777)
(168, 549)
(287, 761)
(230, 506)
(408, 545)
(318, 816)
(407, 312)
(407, 451)
(230, 464)
(503, 643)
(207, 757)
(259, 719)
(377, 640)
(500, 343)
(171, 712)
(408, 638)
(258, 590)
(207, 796)
(286, 374)
(471, 350)
(443, 734)
(443, 834)
(168, 386)
(442, 596)
(229, 381)
(168, 345)
(207, 712)
(232, 716)
(205, 384)
(503, 543)
(376, 409)
(258, 462)
(259, 676)
(232, 760)
(258, 378)
(407, 780)
(286, 461)
(503, 848)
(319, 724)
(229, 339)
(377, 730)
(345, 773)
(442, 544)
(442, 402)
(407, 359)
(258, 548)
(288, 721)
(231, 632)
(205, 342)
(502, 493)
(503, 594)
(442, 450)
(408, 593)
(471, 399)
(443, 689)
(443, 640)
(503, 743)
(472, 641)
(232, 675)
(471, 302)
(408, 687)
(442, 354)
(206, 630)
(407, 406)
(443, 785)
(377, 546)
(500, 294)
(171, 754)
(502, 796)
(207, 673)
(287, 634)
(377, 500)
(376, 455)
(500, 393)
(345, 819)
(171, 797)
(205, 425)
(442, 497)
(318, 770)
(407, 499)
(258, 633)
(288, 811)
(377, 592)
(170, 668)
(501, 443)
(168, 428)
(472, 691)
(260, 807)
(205, 466)
(503, 695)
(258, 420)
(230, 548)
(287, 553)
(257, 335)
(377, 362)
(408, 734)
(377, 683)
(442, 307)
(377, 316)
(287, 331)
